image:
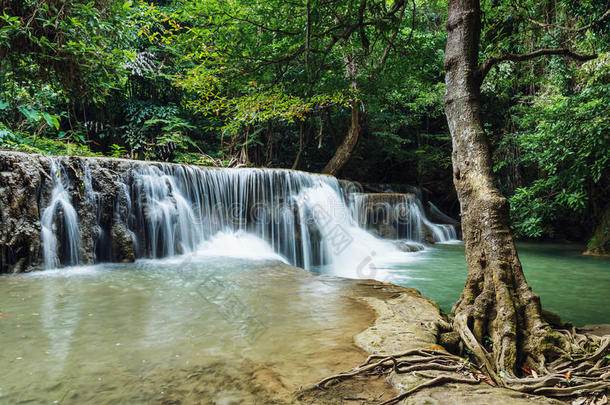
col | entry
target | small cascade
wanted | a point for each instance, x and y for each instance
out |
(162, 211)
(59, 218)
(439, 215)
(398, 216)
(94, 198)
(132, 210)
(342, 246)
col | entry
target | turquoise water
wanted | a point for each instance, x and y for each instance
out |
(576, 287)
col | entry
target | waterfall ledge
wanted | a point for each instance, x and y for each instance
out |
(60, 211)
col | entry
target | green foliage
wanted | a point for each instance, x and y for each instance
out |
(71, 44)
(565, 139)
(29, 143)
(259, 83)
(156, 131)
(117, 151)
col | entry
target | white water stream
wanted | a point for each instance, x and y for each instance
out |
(172, 210)
(59, 217)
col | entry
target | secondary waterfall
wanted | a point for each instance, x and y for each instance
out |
(59, 218)
(163, 210)
(399, 216)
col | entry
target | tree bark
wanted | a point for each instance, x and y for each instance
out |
(344, 151)
(496, 301)
(295, 165)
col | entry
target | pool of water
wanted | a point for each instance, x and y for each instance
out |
(574, 286)
(174, 331)
(205, 329)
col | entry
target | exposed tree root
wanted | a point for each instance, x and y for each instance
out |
(413, 361)
(583, 370)
(441, 379)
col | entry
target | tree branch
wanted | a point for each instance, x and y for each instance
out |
(363, 38)
(261, 26)
(390, 45)
(601, 18)
(489, 63)
(307, 38)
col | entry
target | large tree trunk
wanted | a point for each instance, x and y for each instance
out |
(344, 151)
(496, 301)
(498, 317)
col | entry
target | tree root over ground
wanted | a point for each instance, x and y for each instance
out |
(456, 368)
(582, 372)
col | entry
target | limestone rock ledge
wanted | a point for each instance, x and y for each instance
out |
(408, 322)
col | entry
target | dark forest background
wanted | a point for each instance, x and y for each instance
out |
(275, 83)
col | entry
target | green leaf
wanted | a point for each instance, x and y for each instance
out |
(3, 105)
(51, 120)
(31, 115)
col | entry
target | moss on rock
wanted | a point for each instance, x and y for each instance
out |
(599, 244)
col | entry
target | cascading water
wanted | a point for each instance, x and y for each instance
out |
(440, 215)
(59, 218)
(102, 239)
(302, 216)
(162, 210)
(399, 216)
(343, 247)
(442, 232)
(170, 224)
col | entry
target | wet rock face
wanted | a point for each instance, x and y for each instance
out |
(406, 246)
(20, 183)
(59, 211)
(26, 186)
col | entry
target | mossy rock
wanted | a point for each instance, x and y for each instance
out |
(599, 244)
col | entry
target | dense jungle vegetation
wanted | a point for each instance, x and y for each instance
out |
(351, 87)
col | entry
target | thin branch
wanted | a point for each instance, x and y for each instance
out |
(298, 157)
(263, 27)
(605, 15)
(489, 63)
(390, 45)
(308, 38)
(363, 38)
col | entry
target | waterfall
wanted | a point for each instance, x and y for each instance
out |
(438, 214)
(174, 209)
(163, 210)
(398, 216)
(59, 218)
(343, 247)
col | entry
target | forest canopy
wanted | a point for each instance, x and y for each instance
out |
(279, 83)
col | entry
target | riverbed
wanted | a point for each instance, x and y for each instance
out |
(160, 331)
(207, 329)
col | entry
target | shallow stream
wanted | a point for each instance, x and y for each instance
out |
(207, 329)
